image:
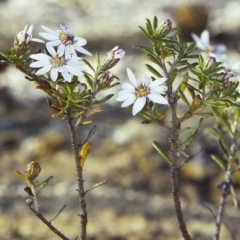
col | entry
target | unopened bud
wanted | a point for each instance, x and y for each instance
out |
(80, 89)
(164, 28)
(112, 58)
(33, 169)
(24, 36)
(228, 78)
(105, 80)
(23, 39)
(61, 89)
(209, 65)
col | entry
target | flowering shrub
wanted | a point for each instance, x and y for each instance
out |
(203, 83)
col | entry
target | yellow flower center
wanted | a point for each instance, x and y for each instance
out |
(142, 91)
(58, 61)
(66, 39)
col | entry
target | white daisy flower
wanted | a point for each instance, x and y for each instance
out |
(139, 91)
(56, 63)
(66, 41)
(215, 50)
(25, 36)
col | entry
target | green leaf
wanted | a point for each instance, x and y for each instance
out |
(145, 49)
(105, 99)
(219, 161)
(191, 47)
(219, 104)
(44, 183)
(182, 86)
(89, 81)
(183, 97)
(98, 59)
(173, 75)
(153, 71)
(155, 23)
(147, 115)
(145, 32)
(5, 55)
(204, 115)
(149, 27)
(161, 151)
(191, 134)
(89, 65)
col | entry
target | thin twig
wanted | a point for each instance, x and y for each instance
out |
(95, 186)
(46, 222)
(58, 213)
(80, 181)
(91, 132)
(225, 192)
(189, 158)
(214, 219)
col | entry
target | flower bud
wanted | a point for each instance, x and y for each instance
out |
(80, 89)
(112, 58)
(164, 28)
(105, 80)
(33, 169)
(228, 78)
(209, 65)
(60, 88)
(23, 39)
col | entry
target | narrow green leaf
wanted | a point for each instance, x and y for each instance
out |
(89, 81)
(220, 104)
(183, 97)
(145, 49)
(204, 115)
(161, 151)
(155, 23)
(191, 134)
(145, 32)
(5, 55)
(105, 99)
(146, 115)
(191, 47)
(173, 75)
(88, 63)
(153, 71)
(182, 86)
(219, 161)
(149, 27)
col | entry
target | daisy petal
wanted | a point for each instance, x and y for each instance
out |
(128, 101)
(157, 98)
(138, 105)
(132, 78)
(52, 32)
(54, 74)
(157, 82)
(44, 70)
(125, 97)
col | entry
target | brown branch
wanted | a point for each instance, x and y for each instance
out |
(225, 192)
(80, 182)
(46, 222)
(174, 168)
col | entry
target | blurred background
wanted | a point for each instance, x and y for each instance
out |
(135, 203)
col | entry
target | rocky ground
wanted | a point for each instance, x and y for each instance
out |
(135, 203)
